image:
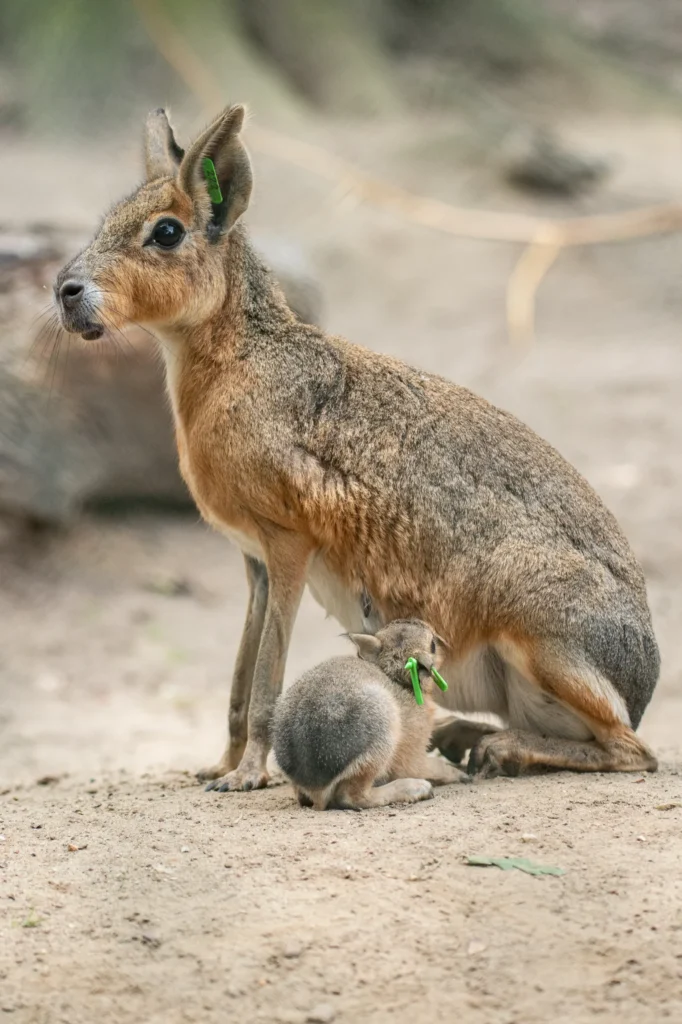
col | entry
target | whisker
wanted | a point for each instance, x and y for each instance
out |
(138, 326)
(40, 314)
(53, 364)
(66, 364)
(154, 337)
(46, 355)
(115, 332)
(43, 336)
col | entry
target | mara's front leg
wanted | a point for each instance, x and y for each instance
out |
(286, 558)
(242, 680)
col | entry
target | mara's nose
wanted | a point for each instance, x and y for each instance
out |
(71, 293)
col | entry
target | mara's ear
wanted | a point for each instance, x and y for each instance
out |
(220, 198)
(369, 648)
(162, 155)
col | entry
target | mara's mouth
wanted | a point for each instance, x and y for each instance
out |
(93, 332)
(81, 322)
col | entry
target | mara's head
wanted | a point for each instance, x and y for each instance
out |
(158, 257)
(392, 646)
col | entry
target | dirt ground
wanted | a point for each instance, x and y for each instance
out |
(127, 894)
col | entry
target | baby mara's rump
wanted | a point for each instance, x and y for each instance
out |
(335, 723)
(352, 723)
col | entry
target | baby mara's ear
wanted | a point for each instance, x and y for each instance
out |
(162, 155)
(369, 648)
(218, 200)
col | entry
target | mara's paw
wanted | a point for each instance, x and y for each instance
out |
(498, 754)
(230, 760)
(455, 738)
(240, 780)
(216, 771)
(414, 790)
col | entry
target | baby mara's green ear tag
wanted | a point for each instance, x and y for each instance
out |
(438, 679)
(413, 669)
(212, 181)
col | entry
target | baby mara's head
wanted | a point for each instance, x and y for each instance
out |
(392, 646)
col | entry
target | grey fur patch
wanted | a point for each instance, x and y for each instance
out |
(626, 653)
(326, 721)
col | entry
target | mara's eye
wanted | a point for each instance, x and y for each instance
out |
(433, 647)
(167, 233)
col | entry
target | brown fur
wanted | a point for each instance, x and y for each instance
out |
(358, 474)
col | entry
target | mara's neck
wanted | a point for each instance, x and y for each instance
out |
(253, 308)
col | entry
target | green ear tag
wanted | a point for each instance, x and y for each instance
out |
(438, 679)
(212, 181)
(413, 669)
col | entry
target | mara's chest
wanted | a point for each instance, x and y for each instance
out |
(217, 495)
(225, 507)
(232, 490)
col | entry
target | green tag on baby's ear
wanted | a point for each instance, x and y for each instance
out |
(413, 669)
(212, 181)
(438, 679)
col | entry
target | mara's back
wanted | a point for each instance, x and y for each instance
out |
(391, 467)
(410, 455)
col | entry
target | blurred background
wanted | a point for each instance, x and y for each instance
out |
(120, 613)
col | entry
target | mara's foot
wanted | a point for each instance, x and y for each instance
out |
(240, 780)
(496, 754)
(227, 763)
(216, 771)
(400, 791)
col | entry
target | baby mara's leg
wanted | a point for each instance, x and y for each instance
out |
(362, 785)
(303, 799)
(348, 790)
(411, 760)
(356, 790)
(439, 772)
(360, 793)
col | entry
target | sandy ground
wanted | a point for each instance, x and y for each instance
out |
(116, 642)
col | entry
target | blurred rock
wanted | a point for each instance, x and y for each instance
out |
(90, 424)
(536, 161)
(25, 247)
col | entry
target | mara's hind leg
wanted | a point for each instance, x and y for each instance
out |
(562, 714)
(513, 751)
